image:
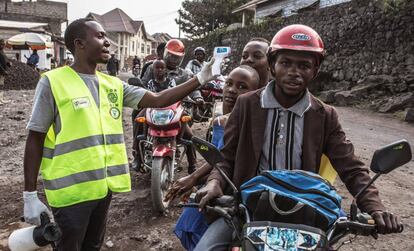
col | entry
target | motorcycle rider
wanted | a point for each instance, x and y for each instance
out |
(197, 63)
(173, 56)
(161, 82)
(76, 138)
(256, 134)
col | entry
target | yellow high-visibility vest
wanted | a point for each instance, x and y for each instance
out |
(88, 155)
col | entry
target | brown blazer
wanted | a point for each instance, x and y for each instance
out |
(323, 134)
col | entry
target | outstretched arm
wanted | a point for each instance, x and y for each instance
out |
(170, 96)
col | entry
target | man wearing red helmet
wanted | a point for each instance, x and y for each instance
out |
(173, 56)
(283, 126)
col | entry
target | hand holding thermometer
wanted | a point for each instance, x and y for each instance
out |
(219, 54)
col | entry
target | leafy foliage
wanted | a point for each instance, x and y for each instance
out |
(199, 17)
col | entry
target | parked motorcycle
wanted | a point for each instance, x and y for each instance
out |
(268, 235)
(162, 148)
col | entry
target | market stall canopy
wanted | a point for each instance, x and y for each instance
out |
(28, 40)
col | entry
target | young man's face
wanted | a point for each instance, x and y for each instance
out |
(293, 71)
(172, 61)
(159, 68)
(96, 44)
(200, 56)
(254, 55)
(238, 82)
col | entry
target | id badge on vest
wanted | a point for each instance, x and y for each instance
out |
(81, 103)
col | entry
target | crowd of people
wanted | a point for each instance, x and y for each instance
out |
(270, 121)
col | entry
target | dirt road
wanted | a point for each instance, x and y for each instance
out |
(133, 225)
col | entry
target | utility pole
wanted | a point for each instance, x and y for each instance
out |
(179, 25)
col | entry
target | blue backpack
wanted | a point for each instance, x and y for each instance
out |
(287, 196)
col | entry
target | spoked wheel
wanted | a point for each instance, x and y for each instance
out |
(160, 182)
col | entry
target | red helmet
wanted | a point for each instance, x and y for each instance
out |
(299, 38)
(175, 46)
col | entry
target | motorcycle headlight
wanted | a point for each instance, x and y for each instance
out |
(162, 117)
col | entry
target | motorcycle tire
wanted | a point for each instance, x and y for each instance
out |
(160, 182)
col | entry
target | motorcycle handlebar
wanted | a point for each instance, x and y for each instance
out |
(357, 227)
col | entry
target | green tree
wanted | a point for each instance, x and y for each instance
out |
(199, 17)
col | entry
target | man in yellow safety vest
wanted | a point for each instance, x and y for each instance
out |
(76, 138)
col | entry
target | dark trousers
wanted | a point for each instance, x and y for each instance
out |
(218, 237)
(83, 225)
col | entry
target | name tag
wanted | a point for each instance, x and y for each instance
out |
(81, 103)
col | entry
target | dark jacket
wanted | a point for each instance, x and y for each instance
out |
(323, 134)
(112, 65)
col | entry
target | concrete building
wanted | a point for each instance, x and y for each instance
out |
(41, 16)
(284, 8)
(128, 37)
(40, 11)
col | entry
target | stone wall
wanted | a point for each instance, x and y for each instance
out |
(362, 38)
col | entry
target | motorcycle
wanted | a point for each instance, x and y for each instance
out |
(136, 70)
(162, 148)
(267, 235)
(211, 93)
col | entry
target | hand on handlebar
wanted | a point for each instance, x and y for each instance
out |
(211, 191)
(180, 187)
(387, 223)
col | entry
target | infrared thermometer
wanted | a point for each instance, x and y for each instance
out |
(219, 54)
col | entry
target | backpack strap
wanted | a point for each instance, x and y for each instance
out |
(272, 202)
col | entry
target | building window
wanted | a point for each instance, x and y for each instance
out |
(142, 48)
(148, 49)
(133, 46)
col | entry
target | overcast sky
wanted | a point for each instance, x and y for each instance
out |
(158, 15)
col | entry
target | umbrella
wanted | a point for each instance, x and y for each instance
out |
(28, 40)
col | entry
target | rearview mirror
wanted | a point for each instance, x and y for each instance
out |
(209, 152)
(391, 156)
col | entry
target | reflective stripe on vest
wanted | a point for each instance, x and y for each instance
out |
(88, 156)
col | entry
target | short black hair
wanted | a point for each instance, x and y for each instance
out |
(252, 71)
(259, 39)
(76, 29)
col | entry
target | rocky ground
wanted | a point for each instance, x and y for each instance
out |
(133, 225)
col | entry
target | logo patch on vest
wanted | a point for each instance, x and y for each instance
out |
(81, 103)
(115, 113)
(112, 97)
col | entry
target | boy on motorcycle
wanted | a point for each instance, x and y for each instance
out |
(283, 126)
(160, 81)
